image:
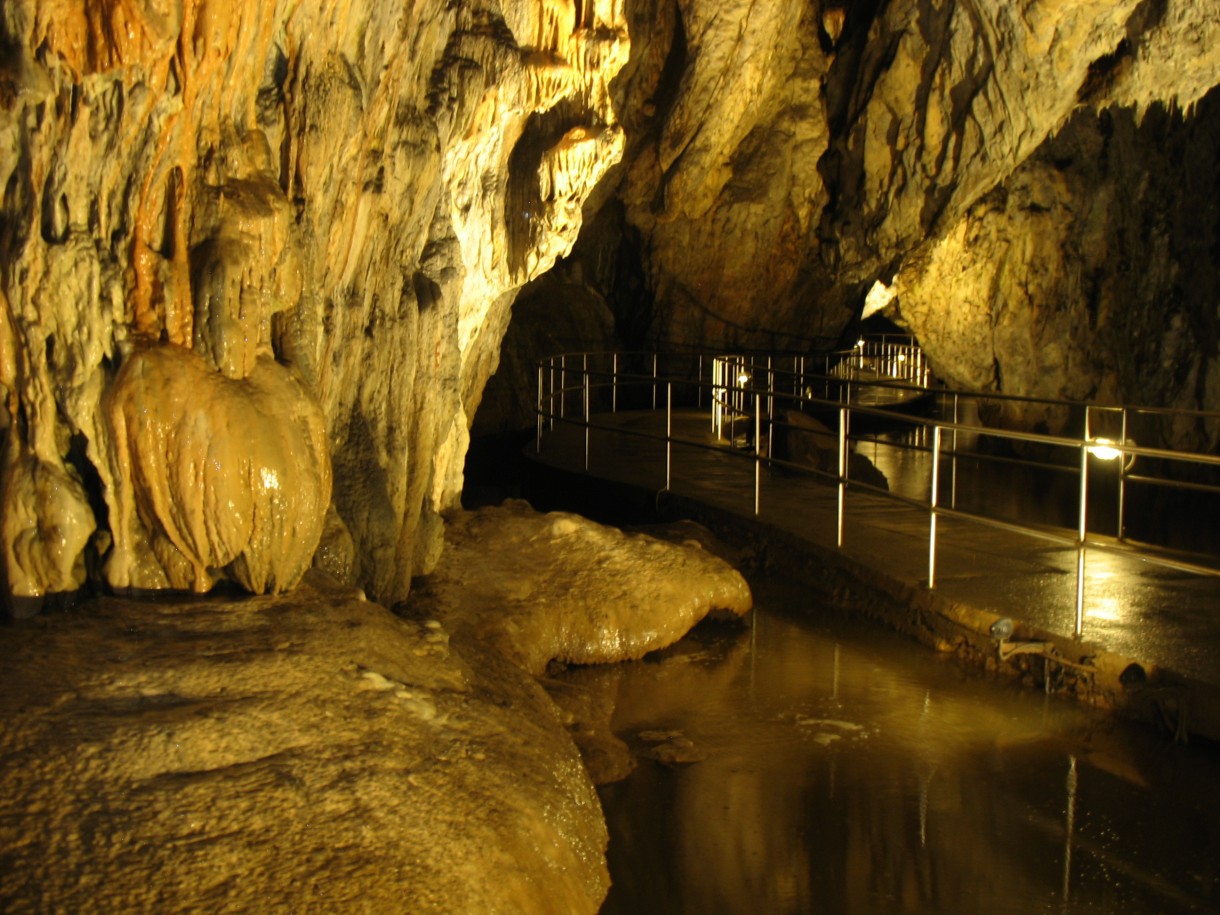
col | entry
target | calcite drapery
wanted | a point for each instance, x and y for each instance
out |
(324, 185)
(221, 473)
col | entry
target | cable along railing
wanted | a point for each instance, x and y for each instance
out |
(751, 397)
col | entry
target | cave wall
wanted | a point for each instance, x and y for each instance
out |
(1089, 274)
(322, 214)
(248, 249)
(781, 158)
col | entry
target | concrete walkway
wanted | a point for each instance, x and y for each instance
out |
(1165, 620)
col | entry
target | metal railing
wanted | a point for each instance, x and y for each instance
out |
(746, 393)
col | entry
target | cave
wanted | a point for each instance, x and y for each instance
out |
(296, 614)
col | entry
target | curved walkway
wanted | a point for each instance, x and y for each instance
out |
(1165, 620)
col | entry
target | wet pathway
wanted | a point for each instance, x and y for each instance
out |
(1154, 615)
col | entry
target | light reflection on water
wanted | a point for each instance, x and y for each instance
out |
(849, 771)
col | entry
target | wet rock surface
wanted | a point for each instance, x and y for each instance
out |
(312, 753)
(558, 587)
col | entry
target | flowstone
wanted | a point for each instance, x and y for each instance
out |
(305, 753)
(214, 474)
(558, 587)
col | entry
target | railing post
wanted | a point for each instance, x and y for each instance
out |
(538, 413)
(669, 432)
(586, 408)
(770, 389)
(614, 384)
(933, 504)
(699, 384)
(757, 451)
(563, 384)
(654, 381)
(1082, 530)
(953, 459)
(550, 400)
(1122, 476)
(842, 471)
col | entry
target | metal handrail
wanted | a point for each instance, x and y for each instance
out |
(552, 400)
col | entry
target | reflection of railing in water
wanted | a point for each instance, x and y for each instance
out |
(745, 392)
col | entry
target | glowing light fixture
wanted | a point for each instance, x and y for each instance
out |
(743, 378)
(1103, 449)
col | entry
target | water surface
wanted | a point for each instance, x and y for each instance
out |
(848, 770)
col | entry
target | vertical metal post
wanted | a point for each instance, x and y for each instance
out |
(732, 425)
(538, 412)
(770, 389)
(1069, 830)
(934, 503)
(953, 460)
(770, 406)
(563, 384)
(1081, 533)
(699, 384)
(614, 384)
(669, 432)
(1122, 478)
(757, 451)
(654, 381)
(586, 409)
(842, 471)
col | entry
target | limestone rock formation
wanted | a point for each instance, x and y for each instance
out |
(316, 752)
(781, 158)
(45, 520)
(726, 124)
(354, 191)
(213, 474)
(1087, 275)
(307, 753)
(558, 587)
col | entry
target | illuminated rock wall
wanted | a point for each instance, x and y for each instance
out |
(306, 222)
(1089, 274)
(783, 157)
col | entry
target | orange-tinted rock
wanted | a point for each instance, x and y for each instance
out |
(214, 474)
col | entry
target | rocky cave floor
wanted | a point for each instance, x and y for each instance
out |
(318, 752)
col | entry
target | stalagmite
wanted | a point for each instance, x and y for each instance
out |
(45, 522)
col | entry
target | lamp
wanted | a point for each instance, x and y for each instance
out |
(1106, 449)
